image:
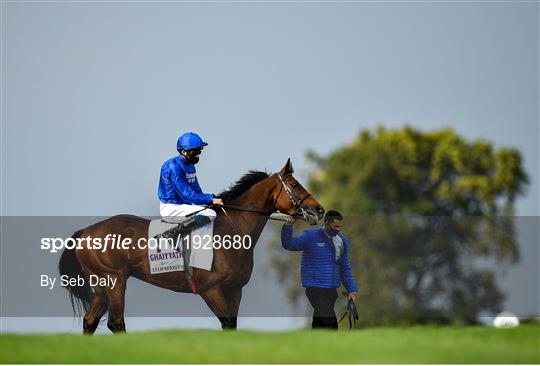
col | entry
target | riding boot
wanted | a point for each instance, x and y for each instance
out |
(185, 227)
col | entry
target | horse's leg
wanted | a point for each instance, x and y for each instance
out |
(97, 308)
(216, 301)
(233, 297)
(116, 299)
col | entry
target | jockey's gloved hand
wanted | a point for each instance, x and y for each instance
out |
(217, 201)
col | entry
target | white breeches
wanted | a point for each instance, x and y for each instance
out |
(177, 214)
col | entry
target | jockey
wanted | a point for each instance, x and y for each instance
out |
(180, 193)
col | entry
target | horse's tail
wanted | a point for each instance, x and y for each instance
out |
(79, 296)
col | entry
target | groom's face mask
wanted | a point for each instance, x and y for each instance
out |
(333, 227)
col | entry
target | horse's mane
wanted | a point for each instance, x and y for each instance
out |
(247, 181)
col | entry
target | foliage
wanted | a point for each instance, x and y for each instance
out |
(426, 212)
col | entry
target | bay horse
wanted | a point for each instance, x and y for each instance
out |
(248, 206)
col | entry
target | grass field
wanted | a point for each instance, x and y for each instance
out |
(376, 345)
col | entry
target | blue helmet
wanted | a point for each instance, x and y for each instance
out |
(189, 140)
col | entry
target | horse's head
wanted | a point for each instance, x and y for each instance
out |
(292, 198)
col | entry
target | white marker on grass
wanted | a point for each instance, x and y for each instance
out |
(505, 320)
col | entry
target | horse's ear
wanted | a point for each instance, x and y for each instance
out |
(287, 169)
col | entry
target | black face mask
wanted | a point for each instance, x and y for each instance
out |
(193, 160)
(331, 231)
(192, 156)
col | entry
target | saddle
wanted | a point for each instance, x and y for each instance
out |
(180, 234)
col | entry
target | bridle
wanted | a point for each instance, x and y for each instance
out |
(297, 204)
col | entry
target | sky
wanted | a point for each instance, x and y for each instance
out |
(95, 94)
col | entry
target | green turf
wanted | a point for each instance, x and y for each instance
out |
(375, 345)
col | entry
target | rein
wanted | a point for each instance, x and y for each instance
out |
(247, 209)
(240, 208)
(299, 211)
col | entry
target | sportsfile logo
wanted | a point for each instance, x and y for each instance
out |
(114, 241)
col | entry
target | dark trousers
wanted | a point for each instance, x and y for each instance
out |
(323, 300)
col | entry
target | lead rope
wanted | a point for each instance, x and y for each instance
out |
(351, 311)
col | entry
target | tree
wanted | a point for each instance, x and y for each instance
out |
(425, 212)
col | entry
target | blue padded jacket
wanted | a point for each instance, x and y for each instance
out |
(178, 184)
(319, 267)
